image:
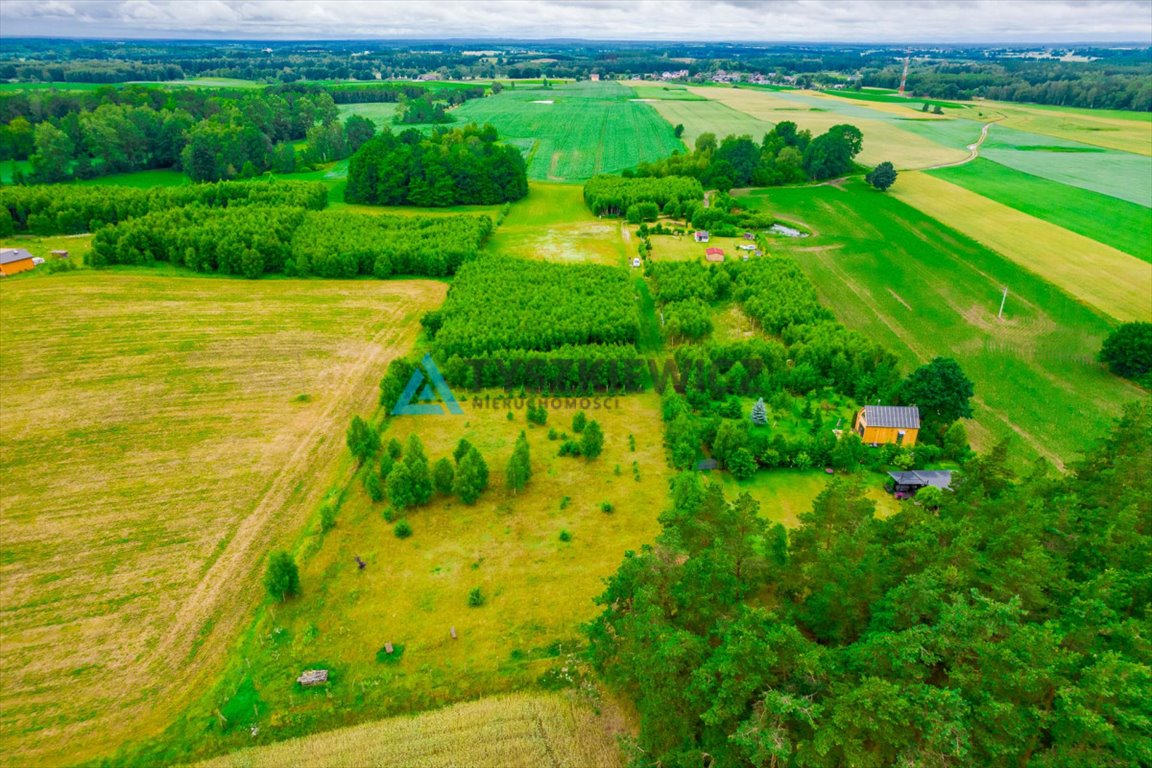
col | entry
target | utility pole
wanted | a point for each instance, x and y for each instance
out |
(1003, 299)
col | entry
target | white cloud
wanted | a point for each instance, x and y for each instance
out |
(736, 20)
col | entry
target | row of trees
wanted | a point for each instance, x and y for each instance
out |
(615, 195)
(499, 304)
(785, 155)
(70, 209)
(858, 640)
(463, 166)
(252, 240)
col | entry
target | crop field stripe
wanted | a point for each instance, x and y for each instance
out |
(515, 731)
(1122, 175)
(1118, 223)
(1112, 282)
(1109, 128)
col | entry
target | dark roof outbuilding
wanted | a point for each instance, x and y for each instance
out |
(940, 478)
(892, 416)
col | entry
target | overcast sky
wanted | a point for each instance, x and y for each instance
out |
(737, 20)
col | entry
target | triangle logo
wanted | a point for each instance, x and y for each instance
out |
(434, 398)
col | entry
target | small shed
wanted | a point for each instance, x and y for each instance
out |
(749, 236)
(906, 484)
(313, 677)
(707, 465)
(714, 254)
(59, 254)
(701, 236)
(888, 424)
(15, 260)
(636, 261)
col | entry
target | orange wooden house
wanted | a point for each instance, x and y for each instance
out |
(13, 260)
(885, 424)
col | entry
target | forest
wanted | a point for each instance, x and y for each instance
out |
(614, 195)
(462, 166)
(860, 640)
(497, 304)
(785, 155)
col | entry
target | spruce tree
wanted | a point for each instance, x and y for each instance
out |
(760, 413)
(592, 442)
(443, 476)
(519, 465)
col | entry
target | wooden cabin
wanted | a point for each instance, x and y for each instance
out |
(14, 261)
(905, 484)
(888, 424)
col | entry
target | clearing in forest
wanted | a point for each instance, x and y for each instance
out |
(160, 448)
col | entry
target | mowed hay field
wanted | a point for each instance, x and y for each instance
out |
(153, 448)
(884, 135)
(577, 130)
(538, 588)
(519, 731)
(1110, 281)
(553, 224)
(923, 288)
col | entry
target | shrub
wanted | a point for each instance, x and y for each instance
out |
(327, 517)
(373, 486)
(363, 440)
(606, 507)
(476, 598)
(592, 443)
(402, 530)
(565, 536)
(1128, 352)
(383, 657)
(578, 422)
(282, 579)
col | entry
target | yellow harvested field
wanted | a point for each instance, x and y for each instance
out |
(159, 449)
(882, 140)
(518, 731)
(1102, 128)
(1110, 281)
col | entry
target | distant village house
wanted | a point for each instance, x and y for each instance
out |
(701, 236)
(714, 254)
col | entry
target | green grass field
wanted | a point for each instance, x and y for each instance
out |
(785, 494)
(552, 223)
(663, 92)
(704, 116)
(158, 452)
(380, 113)
(885, 95)
(1123, 175)
(538, 587)
(518, 731)
(924, 289)
(578, 130)
(1123, 225)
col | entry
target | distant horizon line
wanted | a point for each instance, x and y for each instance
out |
(538, 40)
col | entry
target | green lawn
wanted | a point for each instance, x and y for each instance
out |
(923, 289)
(785, 494)
(1118, 223)
(665, 92)
(577, 130)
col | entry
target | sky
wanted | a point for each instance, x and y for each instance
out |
(863, 21)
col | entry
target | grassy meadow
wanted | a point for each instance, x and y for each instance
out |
(1123, 225)
(159, 449)
(577, 130)
(706, 116)
(924, 288)
(380, 113)
(1110, 128)
(538, 587)
(516, 731)
(553, 224)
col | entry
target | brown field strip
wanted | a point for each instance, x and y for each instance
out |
(153, 451)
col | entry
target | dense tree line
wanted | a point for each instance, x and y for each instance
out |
(251, 240)
(332, 244)
(614, 195)
(228, 134)
(421, 110)
(785, 155)
(462, 166)
(1002, 624)
(70, 209)
(497, 304)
